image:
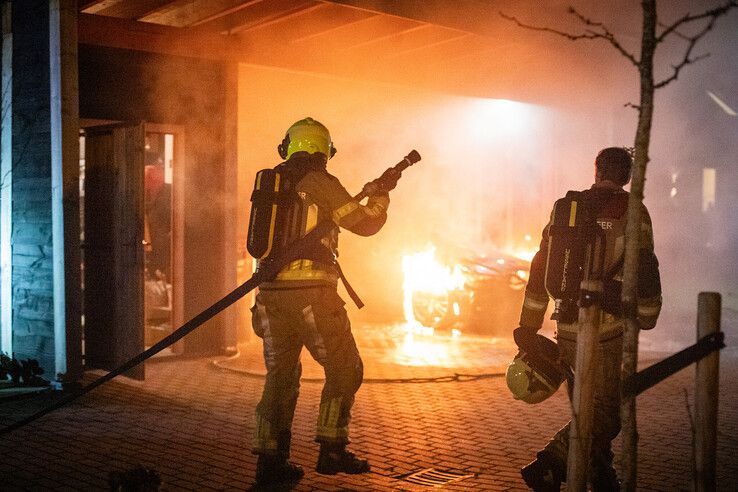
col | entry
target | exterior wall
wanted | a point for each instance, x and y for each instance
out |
(32, 280)
(123, 85)
(39, 81)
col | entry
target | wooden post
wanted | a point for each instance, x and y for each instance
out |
(230, 208)
(580, 430)
(64, 136)
(706, 395)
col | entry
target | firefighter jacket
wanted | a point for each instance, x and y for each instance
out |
(611, 203)
(323, 197)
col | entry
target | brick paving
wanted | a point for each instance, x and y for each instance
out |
(192, 421)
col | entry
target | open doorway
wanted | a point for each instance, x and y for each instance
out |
(165, 212)
(162, 241)
(132, 239)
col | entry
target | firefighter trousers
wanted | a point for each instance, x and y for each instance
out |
(606, 419)
(287, 320)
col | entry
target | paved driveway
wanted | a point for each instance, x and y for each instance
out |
(191, 421)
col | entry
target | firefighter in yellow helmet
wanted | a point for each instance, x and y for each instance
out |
(610, 203)
(301, 307)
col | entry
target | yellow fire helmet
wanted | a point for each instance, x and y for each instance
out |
(533, 379)
(307, 135)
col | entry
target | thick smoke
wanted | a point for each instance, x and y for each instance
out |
(492, 168)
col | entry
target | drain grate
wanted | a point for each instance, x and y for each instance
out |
(430, 477)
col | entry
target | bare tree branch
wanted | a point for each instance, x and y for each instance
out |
(596, 30)
(675, 32)
(631, 105)
(573, 37)
(606, 34)
(712, 15)
(678, 68)
(688, 18)
(687, 60)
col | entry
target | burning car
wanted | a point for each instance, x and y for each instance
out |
(479, 294)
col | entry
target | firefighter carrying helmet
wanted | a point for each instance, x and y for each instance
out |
(535, 373)
(307, 135)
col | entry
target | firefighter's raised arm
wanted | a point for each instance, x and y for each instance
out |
(364, 220)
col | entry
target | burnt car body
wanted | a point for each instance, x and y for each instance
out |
(489, 302)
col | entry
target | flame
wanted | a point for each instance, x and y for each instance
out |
(423, 273)
(526, 254)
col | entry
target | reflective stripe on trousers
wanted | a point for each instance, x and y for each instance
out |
(315, 318)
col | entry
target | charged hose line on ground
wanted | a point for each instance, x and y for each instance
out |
(296, 250)
(456, 377)
(270, 271)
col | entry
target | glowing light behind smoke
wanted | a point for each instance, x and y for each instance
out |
(487, 176)
(497, 119)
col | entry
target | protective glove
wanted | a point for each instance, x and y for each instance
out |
(379, 200)
(388, 180)
(525, 338)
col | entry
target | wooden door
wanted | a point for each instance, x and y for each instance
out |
(113, 246)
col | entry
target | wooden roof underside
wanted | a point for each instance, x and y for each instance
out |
(338, 38)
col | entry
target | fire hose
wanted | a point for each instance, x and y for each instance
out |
(266, 272)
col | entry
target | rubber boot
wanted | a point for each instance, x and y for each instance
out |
(545, 473)
(602, 476)
(335, 458)
(272, 469)
(604, 479)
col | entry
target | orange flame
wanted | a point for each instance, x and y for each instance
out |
(423, 273)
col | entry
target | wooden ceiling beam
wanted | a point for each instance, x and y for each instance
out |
(254, 14)
(321, 18)
(182, 13)
(357, 33)
(95, 6)
(387, 37)
(225, 12)
(171, 5)
(130, 9)
(128, 34)
(85, 4)
(336, 28)
(278, 18)
(143, 36)
(460, 40)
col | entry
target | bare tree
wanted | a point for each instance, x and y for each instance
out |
(653, 34)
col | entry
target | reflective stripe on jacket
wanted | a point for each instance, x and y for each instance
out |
(612, 203)
(324, 198)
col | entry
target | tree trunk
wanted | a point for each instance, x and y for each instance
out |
(632, 245)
